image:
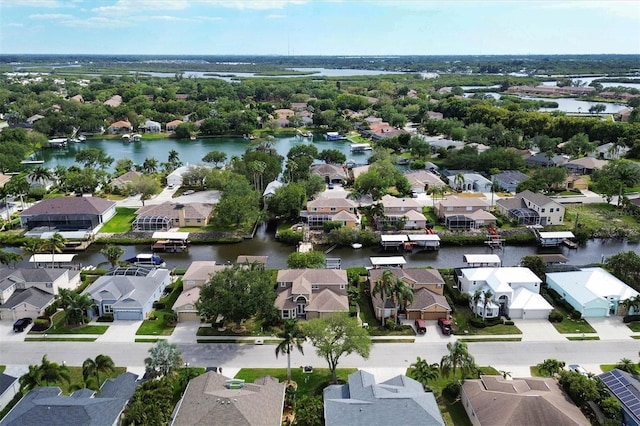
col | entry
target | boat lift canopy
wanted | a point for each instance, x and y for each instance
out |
(556, 235)
(382, 261)
(52, 258)
(182, 236)
(482, 259)
(394, 238)
(423, 237)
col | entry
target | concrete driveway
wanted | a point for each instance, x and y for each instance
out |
(8, 335)
(538, 330)
(611, 328)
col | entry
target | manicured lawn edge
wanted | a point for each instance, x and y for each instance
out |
(60, 339)
(575, 338)
(492, 339)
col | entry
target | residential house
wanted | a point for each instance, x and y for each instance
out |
(162, 217)
(77, 98)
(121, 182)
(9, 387)
(496, 401)
(127, 296)
(397, 209)
(197, 275)
(542, 159)
(262, 260)
(271, 188)
(468, 181)
(331, 173)
(283, 115)
(150, 126)
(423, 181)
(624, 387)
(47, 405)
(64, 214)
(311, 293)
(515, 291)
(465, 212)
(509, 179)
(358, 170)
(182, 97)
(397, 401)
(432, 115)
(34, 118)
(213, 399)
(4, 179)
(584, 165)
(176, 177)
(437, 143)
(321, 210)
(171, 126)
(428, 302)
(119, 127)
(532, 208)
(609, 151)
(576, 182)
(25, 292)
(114, 101)
(593, 292)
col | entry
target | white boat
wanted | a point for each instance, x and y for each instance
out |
(356, 245)
(126, 137)
(82, 138)
(136, 137)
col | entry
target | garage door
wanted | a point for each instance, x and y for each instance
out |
(127, 315)
(594, 313)
(536, 314)
(434, 315)
(188, 316)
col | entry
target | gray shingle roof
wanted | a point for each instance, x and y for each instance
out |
(208, 402)
(32, 296)
(10, 276)
(130, 291)
(399, 401)
(70, 205)
(45, 406)
(6, 381)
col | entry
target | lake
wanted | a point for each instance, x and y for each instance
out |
(191, 152)
(564, 104)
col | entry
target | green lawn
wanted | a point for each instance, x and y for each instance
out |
(634, 326)
(462, 326)
(570, 325)
(367, 315)
(253, 327)
(121, 222)
(59, 327)
(160, 326)
(597, 216)
(2, 368)
(584, 338)
(308, 383)
(75, 374)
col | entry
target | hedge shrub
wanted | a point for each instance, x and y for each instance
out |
(630, 318)
(555, 316)
(105, 318)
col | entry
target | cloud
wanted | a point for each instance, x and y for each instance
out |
(253, 4)
(168, 18)
(97, 22)
(272, 16)
(50, 16)
(14, 24)
(49, 4)
(132, 6)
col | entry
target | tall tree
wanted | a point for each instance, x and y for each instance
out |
(458, 358)
(384, 287)
(40, 174)
(112, 253)
(292, 337)
(163, 358)
(54, 245)
(237, 293)
(53, 372)
(150, 165)
(424, 372)
(9, 258)
(336, 336)
(31, 379)
(93, 367)
(550, 367)
(215, 157)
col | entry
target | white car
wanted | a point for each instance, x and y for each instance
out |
(188, 192)
(578, 369)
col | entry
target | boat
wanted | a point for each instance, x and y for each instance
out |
(334, 136)
(147, 259)
(82, 138)
(192, 137)
(126, 137)
(58, 142)
(136, 137)
(360, 147)
(356, 245)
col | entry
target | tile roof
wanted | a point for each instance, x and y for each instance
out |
(207, 401)
(172, 210)
(527, 401)
(362, 401)
(70, 206)
(328, 170)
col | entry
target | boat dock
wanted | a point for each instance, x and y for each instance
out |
(360, 147)
(555, 239)
(171, 242)
(408, 242)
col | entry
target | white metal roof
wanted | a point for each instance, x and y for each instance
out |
(49, 258)
(387, 260)
(393, 238)
(423, 237)
(481, 258)
(553, 235)
(170, 235)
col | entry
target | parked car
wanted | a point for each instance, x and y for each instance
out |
(331, 186)
(421, 327)
(21, 324)
(188, 192)
(445, 326)
(578, 369)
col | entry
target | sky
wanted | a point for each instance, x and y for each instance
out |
(319, 27)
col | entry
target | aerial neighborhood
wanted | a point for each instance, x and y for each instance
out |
(320, 224)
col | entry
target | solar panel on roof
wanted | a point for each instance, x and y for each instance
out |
(619, 385)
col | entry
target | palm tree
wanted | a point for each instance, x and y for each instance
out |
(9, 258)
(384, 288)
(458, 181)
(32, 379)
(93, 367)
(477, 295)
(150, 165)
(625, 364)
(632, 303)
(40, 174)
(403, 294)
(292, 336)
(79, 305)
(551, 367)
(353, 292)
(424, 372)
(112, 253)
(458, 358)
(488, 294)
(55, 244)
(174, 159)
(52, 372)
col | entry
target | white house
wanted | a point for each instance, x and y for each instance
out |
(514, 292)
(593, 292)
(151, 126)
